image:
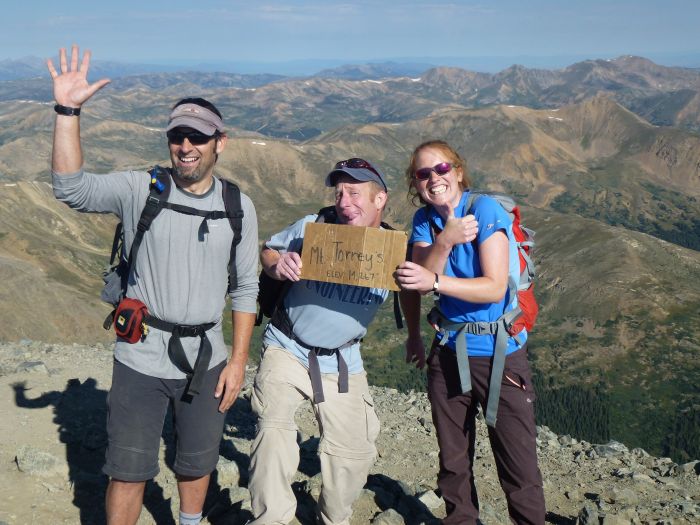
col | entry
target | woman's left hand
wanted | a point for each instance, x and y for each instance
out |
(412, 276)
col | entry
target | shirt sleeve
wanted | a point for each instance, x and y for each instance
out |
(421, 228)
(291, 238)
(244, 296)
(491, 217)
(112, 193)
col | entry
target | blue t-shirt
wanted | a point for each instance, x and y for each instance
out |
(463, 262)
(323, 314)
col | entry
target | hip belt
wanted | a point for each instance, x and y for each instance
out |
(499, 329)
(281, 321)
(177, 355)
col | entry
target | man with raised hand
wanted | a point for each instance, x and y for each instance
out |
(311, 350)
(181, 274)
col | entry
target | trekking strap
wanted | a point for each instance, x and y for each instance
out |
(497, 328)
(177, 355)
(281, 321)
(234, 211)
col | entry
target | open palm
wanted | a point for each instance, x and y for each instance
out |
(71, 87)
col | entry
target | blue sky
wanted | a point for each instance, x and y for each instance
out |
(157, 31)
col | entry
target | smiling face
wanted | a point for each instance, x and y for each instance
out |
(194, 163)
(438, 190)
(359, 203)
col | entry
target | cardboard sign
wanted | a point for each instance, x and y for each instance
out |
(338, 253)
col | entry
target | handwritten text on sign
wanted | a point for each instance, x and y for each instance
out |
(337, 253)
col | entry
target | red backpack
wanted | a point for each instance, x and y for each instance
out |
(524, 239)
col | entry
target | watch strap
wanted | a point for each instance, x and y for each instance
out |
(67, 111)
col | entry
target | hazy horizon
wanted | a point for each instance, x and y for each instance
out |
(279, 36)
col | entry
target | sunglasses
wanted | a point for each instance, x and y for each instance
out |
(357, 163)
(441, 169)
(178, 135)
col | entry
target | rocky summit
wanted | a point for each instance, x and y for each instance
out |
(53, 426)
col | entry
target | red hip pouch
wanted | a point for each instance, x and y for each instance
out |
(129, 319)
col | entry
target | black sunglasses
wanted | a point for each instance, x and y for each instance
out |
(178, 135)
(441, 169)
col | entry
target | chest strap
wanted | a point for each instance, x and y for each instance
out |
(195, 375)
(281, 321)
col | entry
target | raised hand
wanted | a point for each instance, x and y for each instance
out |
(70, 87)
(458, 230)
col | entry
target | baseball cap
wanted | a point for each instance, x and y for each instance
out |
(358, 169)
(195, 117)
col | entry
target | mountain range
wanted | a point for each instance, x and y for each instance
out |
(604, 156)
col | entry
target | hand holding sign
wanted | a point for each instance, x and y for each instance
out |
(288, 267)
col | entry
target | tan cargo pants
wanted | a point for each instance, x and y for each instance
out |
(349, 427)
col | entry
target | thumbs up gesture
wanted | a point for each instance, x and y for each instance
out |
(458, 230)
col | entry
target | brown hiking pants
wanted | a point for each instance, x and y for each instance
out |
(512, 440)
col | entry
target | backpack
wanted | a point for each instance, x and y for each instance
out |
(527, 308)
(512, 322)
(271, 292)
(116, 275)
(525, 243)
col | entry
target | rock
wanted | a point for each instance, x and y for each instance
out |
(389, 517)
(227, 472)
(37, 462)
(611, 449)
(641, 478)
(430, 499)
(565, 440)
(588, 515)
(32, 366)
(621, 496)
(692, 467)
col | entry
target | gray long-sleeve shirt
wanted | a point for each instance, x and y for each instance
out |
(181, 277)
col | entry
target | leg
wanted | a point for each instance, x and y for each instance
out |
(198, 427)
(124, 500)
(278, 391)
(454, 416)
(137, 406)
(349, 428)
(192, 493)
(513, 442)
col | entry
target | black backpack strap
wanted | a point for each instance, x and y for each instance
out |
(234, 212)
(158, 195)
(398, 317)
(328, 215)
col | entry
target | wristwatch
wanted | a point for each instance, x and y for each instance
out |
(65, 110)
(436, 284)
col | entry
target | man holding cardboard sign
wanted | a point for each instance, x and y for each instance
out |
(311, 350)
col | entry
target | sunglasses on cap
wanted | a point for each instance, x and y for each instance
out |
(441, 169)
(178, 135)
(357, 163)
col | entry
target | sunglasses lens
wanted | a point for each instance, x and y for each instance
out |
(423, 173)
(195, 138)
(442, 168)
